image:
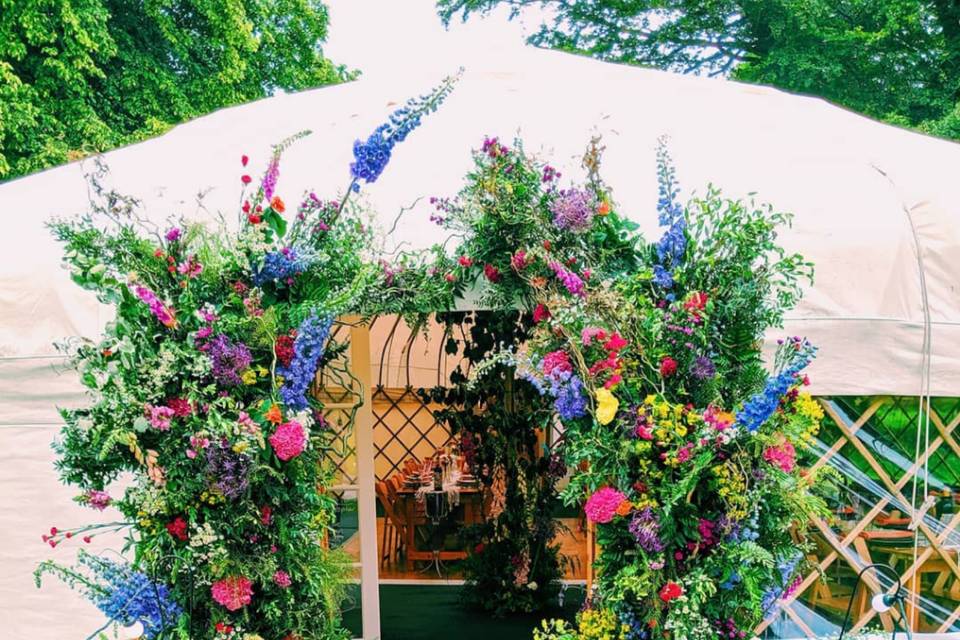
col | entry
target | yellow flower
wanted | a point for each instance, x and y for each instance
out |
(240, 447)
(607, 405)
(249, 377)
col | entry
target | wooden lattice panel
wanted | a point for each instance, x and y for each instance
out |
(875, 440)
(404, 427)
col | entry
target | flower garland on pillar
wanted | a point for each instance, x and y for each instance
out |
(200, 391)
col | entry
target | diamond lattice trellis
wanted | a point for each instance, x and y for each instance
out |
(404, 427)
(873, 442)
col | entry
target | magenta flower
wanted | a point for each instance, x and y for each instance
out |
(289, 440)
(603, 505)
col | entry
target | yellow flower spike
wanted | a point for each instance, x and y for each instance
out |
(607, 405)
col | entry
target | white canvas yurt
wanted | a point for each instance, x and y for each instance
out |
(877, 209)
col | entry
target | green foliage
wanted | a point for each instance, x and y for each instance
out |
(513, 563)
(897, 60)
(651, 354)
(83, 76)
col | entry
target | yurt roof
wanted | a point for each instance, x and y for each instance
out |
(865, 195)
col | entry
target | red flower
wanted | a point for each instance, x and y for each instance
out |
(245, 179)
(450, 277)
(696, 302)
(253, 219)
(181, 407)
(479, 548)
(246, 206)
(465, 261)
(266, 515)
(178, 528)
(244, 160)
(668, 367)
(540, 314)
(670, 591)
(284, 350)
(615, 343)
(491, 272)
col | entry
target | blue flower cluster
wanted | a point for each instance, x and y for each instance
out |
(372, 156)
(786, 567)
(569, 398)
(307, 350)
(673, 243)
(794, 354)
(128, 596)
(279, 266)
(636, 628)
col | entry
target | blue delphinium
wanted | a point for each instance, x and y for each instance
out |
(570, 401)
(673, 244)
(128, 596)
(279, 266)
(793, 356)
(371, 156)
(786, 567)
(308, 348)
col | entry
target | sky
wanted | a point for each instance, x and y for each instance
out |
(380, 36)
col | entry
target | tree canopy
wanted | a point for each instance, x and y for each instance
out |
(896, 60)
(81, 76)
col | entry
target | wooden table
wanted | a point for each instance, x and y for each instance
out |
(472, 500)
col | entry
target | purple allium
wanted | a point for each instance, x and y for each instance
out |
(228, 471)
(703, 368)
(573, 210)
(646, 529)
(228, 360)
(173, 234)
(308, 349)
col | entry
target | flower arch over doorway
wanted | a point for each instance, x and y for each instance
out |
(647, 353)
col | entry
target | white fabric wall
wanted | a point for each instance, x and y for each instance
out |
(803, 155)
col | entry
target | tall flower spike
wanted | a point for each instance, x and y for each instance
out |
(372, 156)
(673, 243)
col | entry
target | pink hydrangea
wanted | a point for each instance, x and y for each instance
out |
(603, 505)
(289, 440)
(233, 592)
(282, 579)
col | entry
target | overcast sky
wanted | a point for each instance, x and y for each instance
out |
(381, 36)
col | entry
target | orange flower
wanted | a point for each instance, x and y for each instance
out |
(604, 208)
(625, 508)
(277, 204)
(274, 415)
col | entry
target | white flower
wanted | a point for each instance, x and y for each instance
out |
(532, 586)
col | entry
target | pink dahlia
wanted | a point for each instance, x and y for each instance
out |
(289, 440)
(282, 579)
(233, 592)
(603, 505)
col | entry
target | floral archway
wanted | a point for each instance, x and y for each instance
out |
(687, 453)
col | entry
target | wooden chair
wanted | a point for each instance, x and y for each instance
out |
(390, 540)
